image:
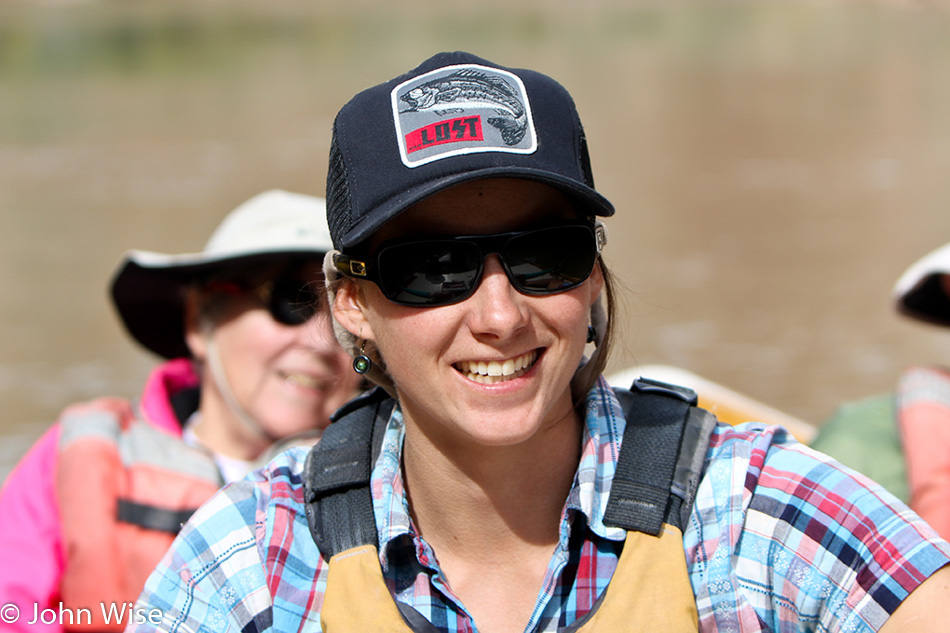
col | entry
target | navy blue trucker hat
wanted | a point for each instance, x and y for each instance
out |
(454, 118)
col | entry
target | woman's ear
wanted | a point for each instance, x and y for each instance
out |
(349, 309)
(196, 336)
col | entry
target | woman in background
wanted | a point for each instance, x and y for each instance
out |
(251, 365)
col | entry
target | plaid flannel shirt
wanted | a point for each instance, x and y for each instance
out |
(780, 539)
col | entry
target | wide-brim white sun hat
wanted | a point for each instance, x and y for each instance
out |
(919, 292)
(148, 288)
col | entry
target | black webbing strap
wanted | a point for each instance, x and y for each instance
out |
(640, 495)
(152, 517)
(337, 472)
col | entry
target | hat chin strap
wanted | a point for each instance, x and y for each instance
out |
(216, 367)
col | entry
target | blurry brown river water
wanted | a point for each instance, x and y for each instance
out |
(775, 167)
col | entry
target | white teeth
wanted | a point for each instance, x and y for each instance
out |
(303, 381)
(497, 371)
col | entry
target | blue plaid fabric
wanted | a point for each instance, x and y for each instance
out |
(781, 539)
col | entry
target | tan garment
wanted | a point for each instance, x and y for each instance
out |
(648, 593)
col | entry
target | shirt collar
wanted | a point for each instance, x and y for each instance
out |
(603, 433)
(604, 425)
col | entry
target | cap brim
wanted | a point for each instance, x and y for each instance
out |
(920, 294)
(148, 291)
(586, 198)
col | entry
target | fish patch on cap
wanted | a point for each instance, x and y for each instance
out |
(461, 110)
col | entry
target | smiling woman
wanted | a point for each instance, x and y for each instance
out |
(495, 481)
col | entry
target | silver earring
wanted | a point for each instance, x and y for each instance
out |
(591, 334)
(362, 363)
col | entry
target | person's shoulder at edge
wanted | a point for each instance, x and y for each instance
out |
(759, 446)
(220, 571)
(772, 461)
(772, 512)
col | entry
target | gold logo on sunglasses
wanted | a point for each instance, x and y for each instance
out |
(347, 266)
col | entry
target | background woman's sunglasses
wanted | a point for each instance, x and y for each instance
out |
(288, 300)
(444, 270)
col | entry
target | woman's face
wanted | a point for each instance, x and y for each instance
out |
(430, 352)
(287, 378)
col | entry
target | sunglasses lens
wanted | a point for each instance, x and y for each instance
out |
(429, 273)
(293, 302)
(551, 260)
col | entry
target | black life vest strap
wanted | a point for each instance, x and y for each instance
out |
(152, 517)
(338, 499)
(658, 470)
(652, 485)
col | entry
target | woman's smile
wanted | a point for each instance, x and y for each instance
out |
(494, 371)
(304, 380)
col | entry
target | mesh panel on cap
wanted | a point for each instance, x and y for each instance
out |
(339, 207)
(584, 152)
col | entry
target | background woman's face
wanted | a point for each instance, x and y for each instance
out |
(288, 378)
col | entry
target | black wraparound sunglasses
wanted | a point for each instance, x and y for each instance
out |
(440, 271)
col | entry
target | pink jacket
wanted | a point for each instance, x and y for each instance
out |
(31, 539)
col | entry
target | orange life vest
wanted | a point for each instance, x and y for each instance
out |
(124, 489)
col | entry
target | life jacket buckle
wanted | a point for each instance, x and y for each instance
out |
(647, 385)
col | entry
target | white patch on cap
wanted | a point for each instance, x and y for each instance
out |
(462, 109)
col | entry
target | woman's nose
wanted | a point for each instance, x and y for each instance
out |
(496, 307)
